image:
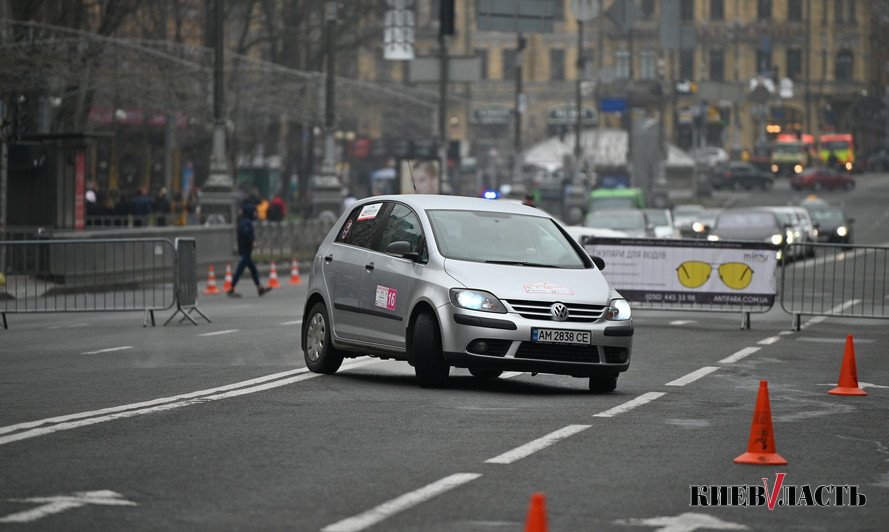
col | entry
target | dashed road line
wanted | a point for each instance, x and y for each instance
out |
(533, 446)
(629, 405)
(399, 504)
(768, 341)
(32, 429)
(217, 333)
(682, 322)
(693, 376)
(109, 350)
(747, 351)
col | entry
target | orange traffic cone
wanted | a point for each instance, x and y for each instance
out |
(848, 383)
(761, 447)
(227, 283)
(211, 283)
(536, 520)
(294, 272)
(273, 277)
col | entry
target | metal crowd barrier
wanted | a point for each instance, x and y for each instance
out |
(186, 282)
(286, 240)
(97, 275)
(840, 280)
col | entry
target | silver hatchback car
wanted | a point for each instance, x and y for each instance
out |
(443, 281)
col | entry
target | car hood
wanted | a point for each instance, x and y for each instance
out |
(586, 285)
(746, 233)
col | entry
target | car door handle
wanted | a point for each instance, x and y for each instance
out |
(328, 258)
(369, 266)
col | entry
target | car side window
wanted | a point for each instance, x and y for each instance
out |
(403, 224)
(361, 225)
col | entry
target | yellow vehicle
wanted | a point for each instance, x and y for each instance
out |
(837, 150)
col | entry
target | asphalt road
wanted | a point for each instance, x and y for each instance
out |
(106, 425)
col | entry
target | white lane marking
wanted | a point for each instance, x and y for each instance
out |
(109, 350)
(819, 340)
(69, 326)
(747, 351)
(687, 522)
(768, 341)
(295, 322)
(629, 405)
(399, 504)
(835, 310)
(510, 374)
(533, 446)
(60, 503)
(785, 333)
(861, 385)
(217, 333)
(693, 376)
(160, 405)
(682, 322)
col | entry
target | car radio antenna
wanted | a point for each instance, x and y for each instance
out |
(411, 170)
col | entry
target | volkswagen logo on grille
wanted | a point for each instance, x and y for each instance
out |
(559, 312)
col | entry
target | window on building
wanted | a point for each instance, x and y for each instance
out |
(687, 65)
(850, 10)
(717, 65)
(795, 10)
(686, 10)
(764, 9)
(794, 63)
(622, 64)
(648, 8)
(647, 64)
(589, 63)
(482, 55)
(844, 66)
(509, 64)
(383, 70)
(717, 9)
(557, 64)
(764, 62)
(838, 14)
(558, 10)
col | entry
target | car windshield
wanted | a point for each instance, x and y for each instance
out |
(657, 216)
(620, 220)
(742, 219)
(498, 237)
(835, 145)
(827, 215)
(687, 210)
(612, 203)
(789, 148)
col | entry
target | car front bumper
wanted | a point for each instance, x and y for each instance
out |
(508, 345)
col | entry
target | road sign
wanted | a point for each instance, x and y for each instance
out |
(624, 13)
(528, 16)
(584, 10)
(460, 68)
(785, 88)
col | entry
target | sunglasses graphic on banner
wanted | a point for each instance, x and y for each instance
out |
(694, 273)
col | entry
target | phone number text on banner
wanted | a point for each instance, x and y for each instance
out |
(689, 271)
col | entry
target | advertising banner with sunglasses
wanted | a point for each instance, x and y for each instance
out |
(689, 271)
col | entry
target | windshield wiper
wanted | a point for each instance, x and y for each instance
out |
(522, 263)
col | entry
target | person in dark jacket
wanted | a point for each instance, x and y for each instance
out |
(246, 237)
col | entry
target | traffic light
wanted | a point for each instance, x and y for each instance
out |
(446, 17)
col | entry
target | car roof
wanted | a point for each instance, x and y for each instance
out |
(422, 202)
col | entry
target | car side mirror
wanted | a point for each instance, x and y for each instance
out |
(403, 249)
(598, 261)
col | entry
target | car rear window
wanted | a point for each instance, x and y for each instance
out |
(746, 219)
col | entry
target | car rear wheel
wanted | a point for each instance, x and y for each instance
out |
(603, 383)
(484, 373)
(429, 363)
(320, 355)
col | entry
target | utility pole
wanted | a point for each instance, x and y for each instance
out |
(519, 109)
(578, 99)
(445, 28)
(328, 166)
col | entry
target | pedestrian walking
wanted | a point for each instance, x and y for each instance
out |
(246, 238)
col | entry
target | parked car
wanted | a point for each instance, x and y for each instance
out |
(629, 221)
(441, 281)
(752, 224)
(822, 178)
(738, 174)
(832, 225)
(709, 156)
(662, 223)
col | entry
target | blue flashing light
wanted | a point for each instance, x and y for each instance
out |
(491, 194)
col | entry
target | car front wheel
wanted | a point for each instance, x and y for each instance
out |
(603, 383)
(429, 363)
(320, 355)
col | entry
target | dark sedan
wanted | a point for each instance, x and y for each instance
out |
(738, 175)
(832, 224)
(822, 178)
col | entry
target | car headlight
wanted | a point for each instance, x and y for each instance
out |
(798, 168)
(848, 165)
(697, 227)
(712, 238)
(775, 168)
(476, 300)
(618, 310)
(842, 230)
(777, 239)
